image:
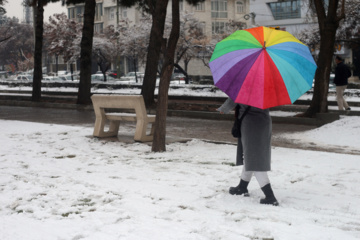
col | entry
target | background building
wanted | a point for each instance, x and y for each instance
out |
(289, 15)
(215, 16)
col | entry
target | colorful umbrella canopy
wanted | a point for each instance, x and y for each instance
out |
(262, 67)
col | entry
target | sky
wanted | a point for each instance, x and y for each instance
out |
(15, 9)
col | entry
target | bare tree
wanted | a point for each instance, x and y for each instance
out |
(191, 35)
(348, 31)
(157, 9)
(4, 31)
(134, 41)
(38, 7)
(104, 52)
(113, 34)
(19, 45)
(159, 144)
(2, 10)
(84, 92)
(61, 33)
(329, 17)
(63, 37)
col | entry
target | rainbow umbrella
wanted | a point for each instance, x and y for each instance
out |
(262, 67)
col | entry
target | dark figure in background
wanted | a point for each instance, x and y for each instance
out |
(342, 73)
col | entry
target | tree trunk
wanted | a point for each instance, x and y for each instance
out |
(56, 64)
(184, 71)
(159, 142)
(328, 24)
(72, 72)
(319, 103)
(84, 92)
(135, 68)
(153, 55)
(39, 29)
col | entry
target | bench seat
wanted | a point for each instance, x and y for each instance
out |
(136, 103)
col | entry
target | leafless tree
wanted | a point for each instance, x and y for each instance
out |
(19, 46)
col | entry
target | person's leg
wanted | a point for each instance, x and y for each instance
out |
(340, 97)
(345, 104)
(264, 182)
(246, 175)
(262, 178)
(244, 182)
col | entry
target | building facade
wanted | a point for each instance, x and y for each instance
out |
(214, 14)
(290, 15)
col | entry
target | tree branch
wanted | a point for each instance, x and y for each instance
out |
(320, 11)
(342, 13)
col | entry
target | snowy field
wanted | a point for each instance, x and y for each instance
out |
(57, 182)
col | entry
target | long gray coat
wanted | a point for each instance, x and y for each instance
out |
(254, 146)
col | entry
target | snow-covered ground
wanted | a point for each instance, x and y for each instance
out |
(58, 182)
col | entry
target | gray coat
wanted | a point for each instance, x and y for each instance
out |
(254, 146)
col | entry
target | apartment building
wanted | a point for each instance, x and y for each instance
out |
(290, 15)
(77, 12)
(214, 14)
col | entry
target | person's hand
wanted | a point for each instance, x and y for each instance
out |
(220, 111)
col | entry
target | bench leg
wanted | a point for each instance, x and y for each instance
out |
(152, 129)
(100, 126)
(140, 132)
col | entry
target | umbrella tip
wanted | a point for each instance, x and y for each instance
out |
(264, 47)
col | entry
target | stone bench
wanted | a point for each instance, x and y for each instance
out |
(101, 103)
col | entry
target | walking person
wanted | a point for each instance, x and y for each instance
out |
(342, 73)
(253, 149)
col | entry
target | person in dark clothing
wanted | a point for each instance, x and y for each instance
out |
(342, 73)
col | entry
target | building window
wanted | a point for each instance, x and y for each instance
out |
(98, 27)
(71, 13)
(218, 27)
(98, 12)
(202, 27)
(200, 7)
(286, 9)
(239, 7)
(112, 14)
(76, 13)
(80, 11)
(123, 13)
(219, 9)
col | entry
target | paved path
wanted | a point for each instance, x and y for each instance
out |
(177, 127)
